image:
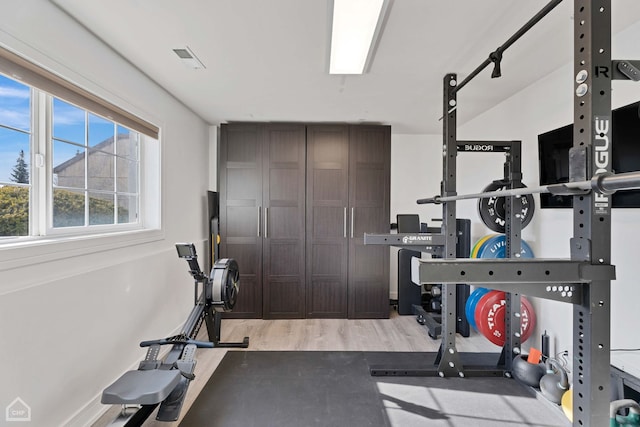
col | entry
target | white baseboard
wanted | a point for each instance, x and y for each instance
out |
(90, 413)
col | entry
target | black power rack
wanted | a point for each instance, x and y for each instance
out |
(584, 280)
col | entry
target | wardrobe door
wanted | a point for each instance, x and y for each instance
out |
(369, 187)
(327, 220)
(240, 211)
(283, 190)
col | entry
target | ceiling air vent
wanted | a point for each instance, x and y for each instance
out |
(188, 58)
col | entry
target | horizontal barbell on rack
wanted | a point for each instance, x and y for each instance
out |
(605, 183)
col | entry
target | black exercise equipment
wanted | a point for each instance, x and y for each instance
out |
(584, 281)
(164, 381)
(431, 316)
(409, 223)
(492, 209)
(409, 294)
(213, 213)
(411, 300)
(527, 373)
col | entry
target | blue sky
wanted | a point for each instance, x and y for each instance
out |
(69, 125)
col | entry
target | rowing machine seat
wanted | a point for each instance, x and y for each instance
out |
(141, 387)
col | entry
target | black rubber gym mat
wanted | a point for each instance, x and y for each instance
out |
(298, 389)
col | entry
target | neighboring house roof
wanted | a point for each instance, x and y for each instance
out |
(80, 156)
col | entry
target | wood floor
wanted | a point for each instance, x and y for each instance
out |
(398, 333)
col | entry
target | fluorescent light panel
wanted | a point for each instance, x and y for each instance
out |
(352, 32)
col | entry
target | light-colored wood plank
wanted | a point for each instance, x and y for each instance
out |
(398, 333)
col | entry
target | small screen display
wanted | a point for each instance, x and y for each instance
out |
(186, 250)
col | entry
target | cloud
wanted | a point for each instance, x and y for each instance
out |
(64, 114)
(69, 118)
(14, 92)
(15, 118)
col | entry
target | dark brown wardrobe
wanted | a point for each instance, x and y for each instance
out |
(295, 202)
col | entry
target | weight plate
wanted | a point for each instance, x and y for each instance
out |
(476, 314)
(496, 247)
(470, 306)
(567, 404)
(492, 209)
(482, 252)
(478, 245)
(489, 316)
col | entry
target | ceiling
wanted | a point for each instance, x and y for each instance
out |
(268, 60)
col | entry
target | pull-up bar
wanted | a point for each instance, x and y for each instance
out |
(496, 56)
(602, 183)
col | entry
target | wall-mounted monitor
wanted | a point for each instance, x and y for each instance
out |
(553, 155)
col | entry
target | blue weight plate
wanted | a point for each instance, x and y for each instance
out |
(497, 245)
(470, 306)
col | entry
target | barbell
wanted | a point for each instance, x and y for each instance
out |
(605, 183)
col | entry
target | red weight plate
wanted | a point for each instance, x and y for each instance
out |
(527, 310)
(490, 313)
(480, 325)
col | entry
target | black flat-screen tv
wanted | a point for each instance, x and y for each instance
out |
(553, 156)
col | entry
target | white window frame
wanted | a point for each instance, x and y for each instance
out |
(41, 179)
(46, 243)
(48, 228)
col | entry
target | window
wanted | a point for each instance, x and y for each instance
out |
(64, 169)
(95, 169)
(15, 155)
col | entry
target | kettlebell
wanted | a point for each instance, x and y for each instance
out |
(527, 373)
(555, 382)
(633, 419)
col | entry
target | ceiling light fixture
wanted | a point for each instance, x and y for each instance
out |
(356, 25)
(188, 58)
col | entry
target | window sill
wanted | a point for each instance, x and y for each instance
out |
(47, 249)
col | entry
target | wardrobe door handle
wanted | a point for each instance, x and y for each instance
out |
(266, 222)
(352, 221)
(258, 225)
(345, 222)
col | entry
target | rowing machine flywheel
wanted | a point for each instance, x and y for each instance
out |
(225, 279)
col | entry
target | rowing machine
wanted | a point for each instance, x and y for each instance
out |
(164, 382)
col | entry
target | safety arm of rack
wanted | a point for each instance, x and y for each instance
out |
(557, 279)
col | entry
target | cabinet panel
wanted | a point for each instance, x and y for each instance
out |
(327, 221)
(283, 190)
(369, 187)
(240, 210)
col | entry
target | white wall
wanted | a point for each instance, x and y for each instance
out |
(71, 326)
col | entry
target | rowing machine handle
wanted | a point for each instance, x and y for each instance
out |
(164, 341)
